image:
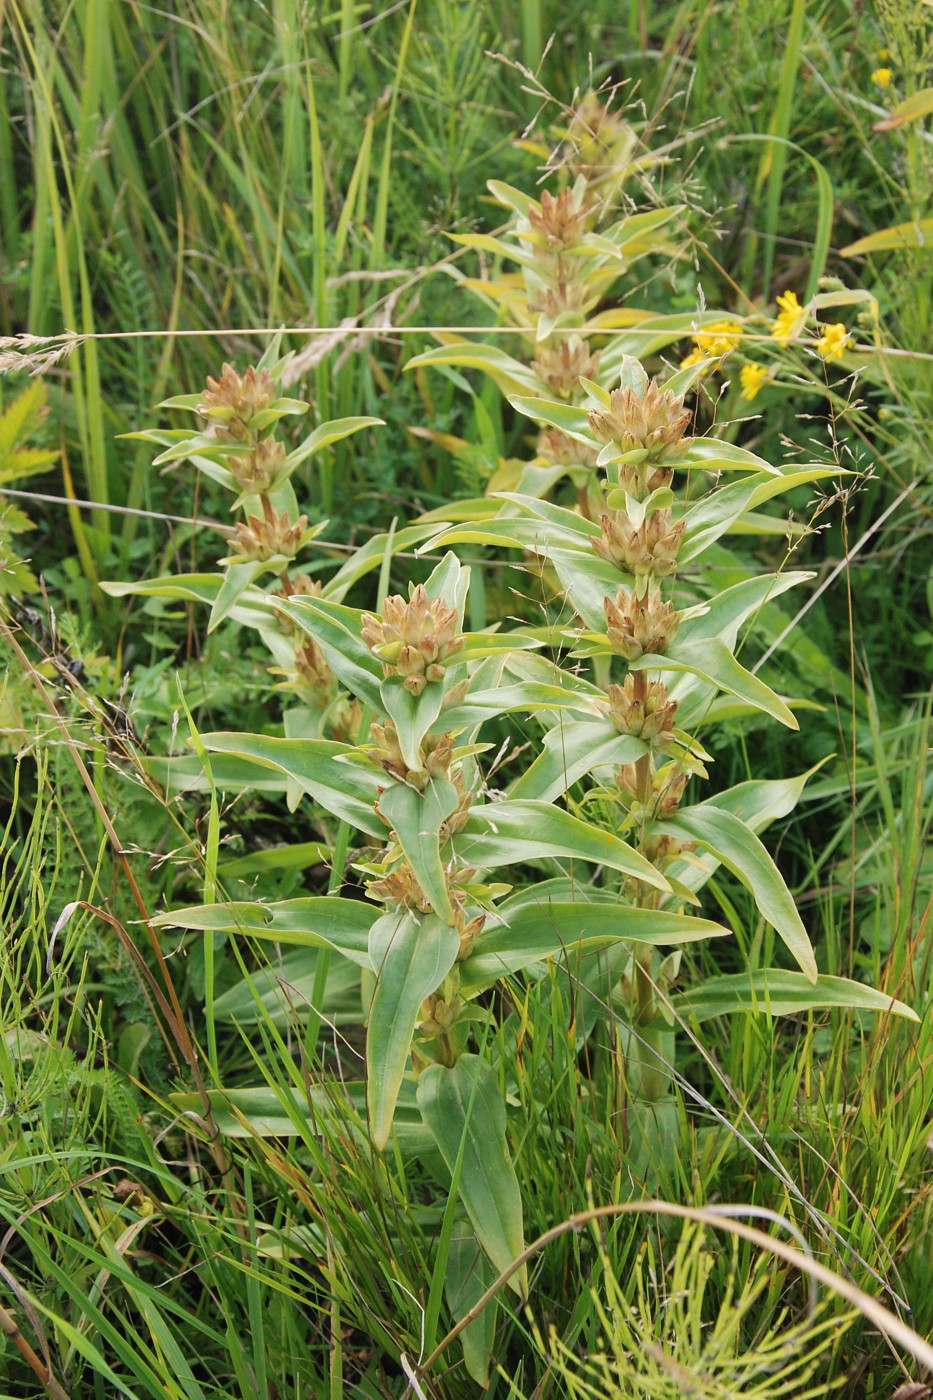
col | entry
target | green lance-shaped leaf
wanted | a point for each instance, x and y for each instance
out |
(727, 838)
(286, 990)
(570, 752)
(284, 1111)
(313, 921)
(527, 696)
(251, 608)
(324, 435)
(779, 993)
(411, 957)
(531, 933)
(712, 660)
(507, 833)
(337, 631)
(348, 790)
(464, 1110)
(412, 715)
(507, 373)
(416, 818)
(370, 556)
(468, 1275)
(236, 579)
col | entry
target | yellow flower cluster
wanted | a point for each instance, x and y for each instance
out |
(790, 319)
(833, 341)
(882, 76)
(752, 377)
(713, 342)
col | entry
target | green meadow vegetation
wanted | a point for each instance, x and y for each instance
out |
(466, 614)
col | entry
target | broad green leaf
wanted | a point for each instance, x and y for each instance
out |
(416, 818)
(526, 696)
(411, 957)
(539, 929)
(712, 454)
(312, 921)
(231, 773)
(559, 415)
(588, 581)
(263, 1111)
(236, 579)
(477, 645)
(283, 993)
(727, 837)
(336, 629)
(726, 611)
(469, 1274)
(370, 555)
(347, 790)
(570, 752)
(571, 525)
(510, 197)
(507, 374)
(464, 1110)
(412, 715)
(508, 833)
(917, 233)
(770, 991)
(712, 660)
(297, 855)
(324, 435)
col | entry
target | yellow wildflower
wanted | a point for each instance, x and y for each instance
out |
(790, 319)
(752, 377)
(882, 76)
(693, 358)
(718, 338)
(833, 341)
(713, 342)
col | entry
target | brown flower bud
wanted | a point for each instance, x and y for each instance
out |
(653, 422)
(413, 638)
(557, 449)
(561, 221)
(557, 301)
(651, 548)
(264, 538)
(259, 470)
(638, 625)
(561, 366)
(310, 667)
(601, 144)
(233, 400)
(400, 886)
(436, 752)
(649, 716)
(469, 930)
(439, 1012)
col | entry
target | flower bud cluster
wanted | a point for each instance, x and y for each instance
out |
(265, 538)
(665, 794)
(653, 422)
(414, 638)
(648, 549)
(561, 221)
(561, 366)
(260, 471)
(639, 625)
(234, 400)
(644, 712)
